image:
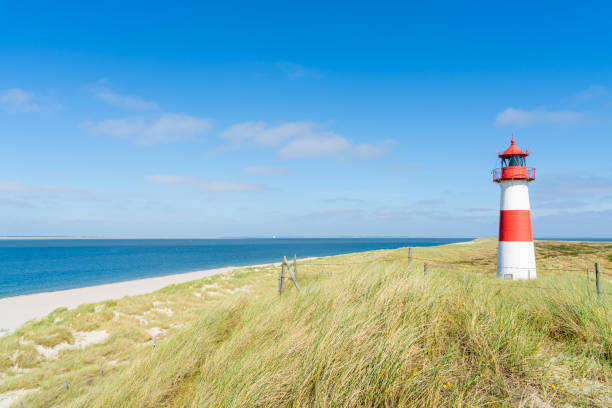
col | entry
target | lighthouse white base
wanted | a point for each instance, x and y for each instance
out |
(516, 260)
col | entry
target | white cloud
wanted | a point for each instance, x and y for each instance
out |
(242, 132)
(124, 101)
(167, 128)
(591, 93)
(206, 185)
(48, 190)
(315, 146)
(368, 150)
(266, 170)
(561, 186)
(344, 200)
(386, 213)
(299, 140)
(169, 179)
(18, 101)
(261, 134)
(328, 144)
(520, 117)
(14, 187)
(293, 70)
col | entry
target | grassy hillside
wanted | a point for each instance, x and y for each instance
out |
(367, 329)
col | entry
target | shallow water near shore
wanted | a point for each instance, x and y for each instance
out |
(41, 265)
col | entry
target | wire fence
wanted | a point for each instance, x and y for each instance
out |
(458, 266)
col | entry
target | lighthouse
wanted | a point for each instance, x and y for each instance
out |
(515, 253)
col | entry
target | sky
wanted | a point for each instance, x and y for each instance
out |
(301, 119)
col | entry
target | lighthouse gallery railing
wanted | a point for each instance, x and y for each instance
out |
(514, 172)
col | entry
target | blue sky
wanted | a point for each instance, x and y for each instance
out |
(309, 119)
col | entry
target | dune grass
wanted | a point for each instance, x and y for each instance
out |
(366, 329)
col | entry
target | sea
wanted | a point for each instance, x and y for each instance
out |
(42, 265)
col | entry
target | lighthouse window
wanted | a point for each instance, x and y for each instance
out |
(513, 161)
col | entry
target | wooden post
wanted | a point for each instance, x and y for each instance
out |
(101, 372)
(66, 384)
(425, 268)
(295, 265)
(293, 278)
(598, 279)
(280, 278)
(410, 255)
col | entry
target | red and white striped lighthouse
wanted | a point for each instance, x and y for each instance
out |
(515, 253)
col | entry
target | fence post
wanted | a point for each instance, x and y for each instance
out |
(291, 274)
(295, 266)
(425, 268)
(598, 279)
(280, 278)
(101, 372)
(410, 255)
(66, 384)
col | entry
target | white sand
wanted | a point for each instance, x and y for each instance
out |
(81, 340)
(465, 242)
(16, 310)
(9, 398)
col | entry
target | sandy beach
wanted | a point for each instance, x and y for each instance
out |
(16, 310)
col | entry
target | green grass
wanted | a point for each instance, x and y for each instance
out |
(367, 329)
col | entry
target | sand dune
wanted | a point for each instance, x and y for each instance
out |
(16, 310)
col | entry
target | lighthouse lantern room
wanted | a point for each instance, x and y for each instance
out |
(516, 253)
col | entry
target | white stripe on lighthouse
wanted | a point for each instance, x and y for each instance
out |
(517, 259)
(514, 195)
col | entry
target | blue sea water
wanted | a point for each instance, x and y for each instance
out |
(39, 265)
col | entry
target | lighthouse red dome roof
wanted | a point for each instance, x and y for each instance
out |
(513, 150)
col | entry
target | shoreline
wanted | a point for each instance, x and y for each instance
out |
(16, 310)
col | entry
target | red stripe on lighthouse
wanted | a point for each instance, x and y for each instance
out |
(515, 225)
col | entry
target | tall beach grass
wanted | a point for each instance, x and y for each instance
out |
(368, 330)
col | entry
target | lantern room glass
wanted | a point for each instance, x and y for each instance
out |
(513, 161)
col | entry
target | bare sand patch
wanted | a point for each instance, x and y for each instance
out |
(207, 286)
(155, 332)
(164, 310)
(81, 340)
(246, 288)
(10, 397)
